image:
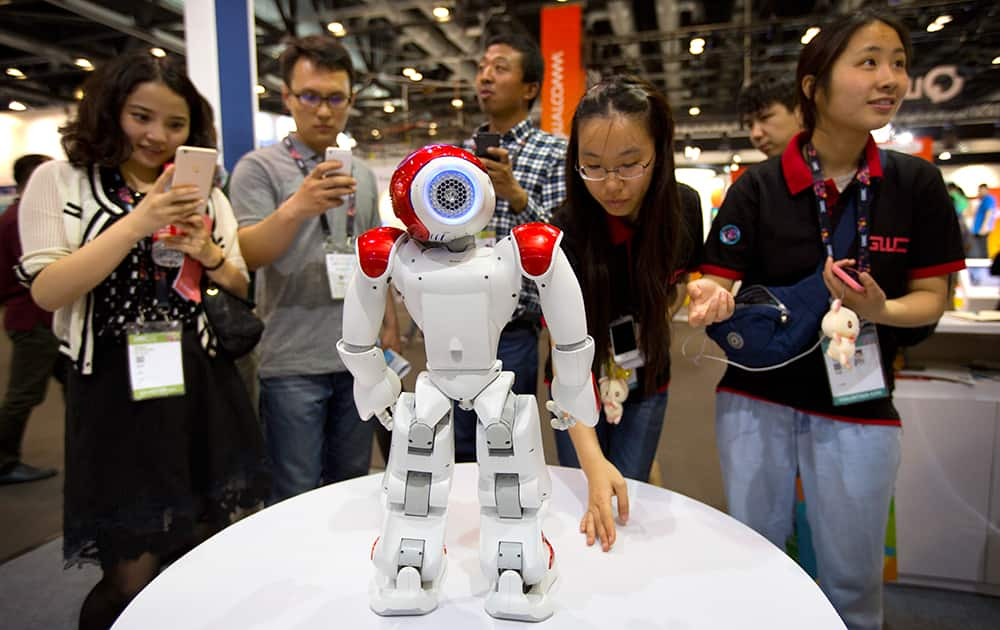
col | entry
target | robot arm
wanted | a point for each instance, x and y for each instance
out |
(376, 387)
(542, 260)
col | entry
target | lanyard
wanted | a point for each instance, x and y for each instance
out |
(863, 177)
(323, 221)
(128, 200)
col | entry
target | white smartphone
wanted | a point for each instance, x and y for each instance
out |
(195, 166)
(341, 155)
(625, 342)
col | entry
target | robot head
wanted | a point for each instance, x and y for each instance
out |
(442, 193)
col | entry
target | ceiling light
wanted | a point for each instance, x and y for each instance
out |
(811, 32)
(158, 52)
(934, 27)
(736, 158)
(696, 51)
(734, 167)
(416, 76)
(17, 74)
(996, 61)
(17, 106)
(441, 14)
(943, 19)
(945, 155)
(457, 103)
(692, 152)
(697, 42)
(388, 107)
(78, 94)
(82, 62)
(259, 89)
(432, 125)
(694, 111)
(432, 132)
(408, 71)
(376, 133)
(337, 29)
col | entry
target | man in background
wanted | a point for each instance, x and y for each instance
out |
(297, 210)
(35, 348)
(527, 171)
(768, 108)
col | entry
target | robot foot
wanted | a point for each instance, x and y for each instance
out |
(510, 599)
(405, 595)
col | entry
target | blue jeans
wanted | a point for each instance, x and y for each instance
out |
(848, 473)
(518, 350)
(631, 444)
(314, 433)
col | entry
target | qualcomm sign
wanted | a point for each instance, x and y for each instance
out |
(940, 84)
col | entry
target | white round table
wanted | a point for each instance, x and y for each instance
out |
(304, 563)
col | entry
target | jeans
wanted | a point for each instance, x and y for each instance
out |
(33, 358)
(631, 444)
(518, 350)
(848, 473)
(314, 433)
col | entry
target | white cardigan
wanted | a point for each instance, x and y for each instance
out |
(63, 208)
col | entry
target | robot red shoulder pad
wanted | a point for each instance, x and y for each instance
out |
(375, 248)
(536, 244)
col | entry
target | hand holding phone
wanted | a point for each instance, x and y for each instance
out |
(195, 166)
(484, 140)
(341, 155)
(847, 279)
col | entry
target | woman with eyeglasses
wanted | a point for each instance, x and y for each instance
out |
(631, 233)
(162, 444)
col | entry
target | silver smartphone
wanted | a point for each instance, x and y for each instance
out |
(625, 341)
(341, 155)
(195, 166)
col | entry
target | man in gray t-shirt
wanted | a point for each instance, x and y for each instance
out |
(293, 210)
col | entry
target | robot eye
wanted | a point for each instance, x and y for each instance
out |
(451, 195)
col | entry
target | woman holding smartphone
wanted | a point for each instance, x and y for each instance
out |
(630, 233)
(774, 229)
(162, 446)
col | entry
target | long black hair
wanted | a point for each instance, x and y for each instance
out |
(95, 136)
(819, 55)
(658, 234)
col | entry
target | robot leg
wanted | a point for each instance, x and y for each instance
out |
(409, 556)
(514, 488)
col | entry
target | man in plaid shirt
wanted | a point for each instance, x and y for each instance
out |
(527, 171)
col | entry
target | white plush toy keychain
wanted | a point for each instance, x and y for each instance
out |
(841, 325)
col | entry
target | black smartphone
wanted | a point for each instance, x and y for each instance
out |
(485, 140)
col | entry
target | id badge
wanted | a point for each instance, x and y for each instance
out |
(486, 238)
(155, 364)
(865, 380)
(339, 270)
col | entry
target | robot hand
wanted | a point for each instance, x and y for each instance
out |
(562, 419)
(378, 399)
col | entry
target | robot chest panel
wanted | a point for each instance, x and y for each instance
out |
(476, 273)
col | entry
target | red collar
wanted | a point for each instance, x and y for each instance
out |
(618, 230)
(798, 177)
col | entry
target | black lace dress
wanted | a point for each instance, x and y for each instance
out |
(140, 476)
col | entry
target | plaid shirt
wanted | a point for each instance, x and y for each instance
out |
(539, 162)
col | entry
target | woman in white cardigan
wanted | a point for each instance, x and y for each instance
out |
(162, 446)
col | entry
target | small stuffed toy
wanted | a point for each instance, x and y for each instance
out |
(841, 325)
(614, 391)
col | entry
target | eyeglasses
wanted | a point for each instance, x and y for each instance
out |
(599, 173)
(313, 100)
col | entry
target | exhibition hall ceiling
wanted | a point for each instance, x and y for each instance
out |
(954, 95)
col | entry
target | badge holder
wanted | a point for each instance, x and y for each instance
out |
(155, 363)
(341, 262)
(863, 379)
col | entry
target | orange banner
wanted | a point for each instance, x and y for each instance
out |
(564, 76)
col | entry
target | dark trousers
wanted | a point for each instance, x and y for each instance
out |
(32, 361)
(518, 351)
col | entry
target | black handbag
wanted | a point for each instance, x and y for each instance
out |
(237, 329)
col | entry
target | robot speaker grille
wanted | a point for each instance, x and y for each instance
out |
(451, 194)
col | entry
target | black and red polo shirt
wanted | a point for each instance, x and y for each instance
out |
(621, 259)
(767, 232)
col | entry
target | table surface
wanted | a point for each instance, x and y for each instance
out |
(304, 563)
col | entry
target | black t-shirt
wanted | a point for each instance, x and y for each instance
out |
(622, 265)
(767, 232)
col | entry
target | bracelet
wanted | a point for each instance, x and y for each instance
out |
(222, 261)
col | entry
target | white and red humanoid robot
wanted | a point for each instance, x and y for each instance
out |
(461, 296)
